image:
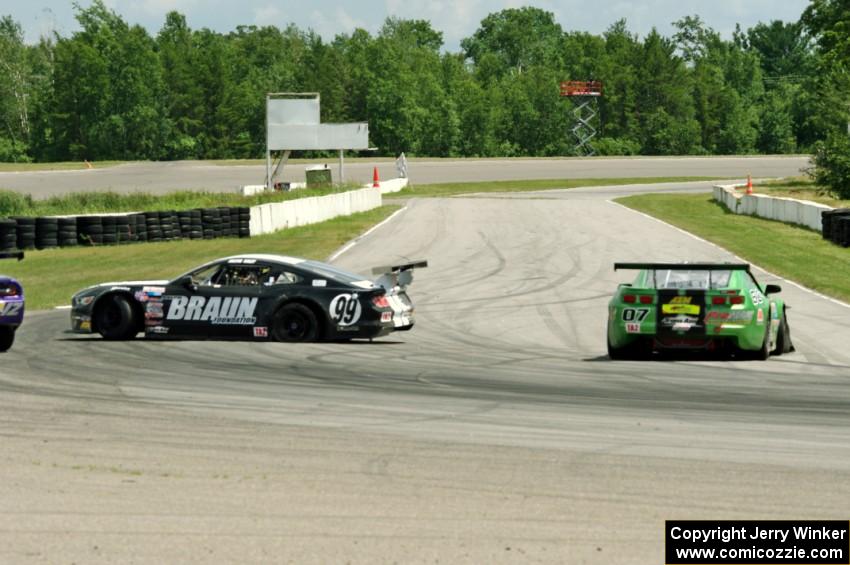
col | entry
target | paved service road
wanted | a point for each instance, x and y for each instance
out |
(497, 431)
(169, 176)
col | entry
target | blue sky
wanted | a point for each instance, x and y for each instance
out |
(455, 18)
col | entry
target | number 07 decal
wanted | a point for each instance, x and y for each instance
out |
(635, 314)
(345, 309)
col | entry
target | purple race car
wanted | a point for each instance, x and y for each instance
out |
(11, 304)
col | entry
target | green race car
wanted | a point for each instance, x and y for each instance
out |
(696, 306)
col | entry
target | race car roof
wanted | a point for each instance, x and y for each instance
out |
(684, 266)
(285, 259)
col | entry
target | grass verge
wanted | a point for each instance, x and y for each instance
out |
(451, 189)
(791, 251)
(801, 188)
(51, 276)
(60, 166)
(17, 204)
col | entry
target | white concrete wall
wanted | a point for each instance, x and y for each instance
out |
(801, 212)
(392, 185)
(268, 218)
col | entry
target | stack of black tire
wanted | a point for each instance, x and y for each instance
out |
(25, 231)
(90, 230)
(8, 234)
(191, 224)
(836, 226)
(138, 227)
(211, 222)
(46, 233)
(244, 226)
(154, 228)
(207, 223)
(170, 228)
(67, 232)
(110, 230)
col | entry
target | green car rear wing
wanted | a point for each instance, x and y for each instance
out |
(684, 266)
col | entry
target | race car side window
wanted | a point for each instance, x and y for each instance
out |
(243, 275)
(283, 277)
(206, 275)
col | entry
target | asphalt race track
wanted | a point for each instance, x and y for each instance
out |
(168, 176)
(497, 431)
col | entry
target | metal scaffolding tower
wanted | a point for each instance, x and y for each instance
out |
(584, 95)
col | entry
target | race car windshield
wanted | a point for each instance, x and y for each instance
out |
(330, 272)
(690, 279)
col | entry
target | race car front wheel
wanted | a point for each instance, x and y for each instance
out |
(7, 338)
(114, 318)
(295, 322)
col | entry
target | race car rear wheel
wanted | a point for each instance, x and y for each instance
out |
(634, 351)
(295, 322)
(7, 338)
(783, 339)
(114, 318)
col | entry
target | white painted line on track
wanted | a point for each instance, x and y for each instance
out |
(357, 239)
(689, 234)
(68, 307)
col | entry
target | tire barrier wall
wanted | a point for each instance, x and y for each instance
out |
(836, 226)
(268, 218)
(832, 223)
(117, 229)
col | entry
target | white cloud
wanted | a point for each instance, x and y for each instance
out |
(268, 14)
(329, 23)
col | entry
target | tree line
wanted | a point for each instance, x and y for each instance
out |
(113, 91)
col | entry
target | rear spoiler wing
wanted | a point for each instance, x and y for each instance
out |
(393, 276)
(682, 266)
(12, 255)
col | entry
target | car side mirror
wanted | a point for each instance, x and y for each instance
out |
(772, 289)
(187, 283)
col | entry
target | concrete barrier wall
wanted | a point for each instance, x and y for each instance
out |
(268, 218)
(802, 212)
(393, 185)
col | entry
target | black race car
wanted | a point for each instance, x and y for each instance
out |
(251, 297)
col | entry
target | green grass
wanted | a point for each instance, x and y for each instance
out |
(59, 166)
(17, 204)
(51, 276)
(451, 189)
(800, 188)
(791, 251)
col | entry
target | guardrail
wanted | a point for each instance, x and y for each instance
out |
(801, 212)
(268, 218)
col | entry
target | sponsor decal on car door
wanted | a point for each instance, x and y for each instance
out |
(210, 311)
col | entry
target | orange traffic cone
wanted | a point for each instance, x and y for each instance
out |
(376, 180)
(749, 184)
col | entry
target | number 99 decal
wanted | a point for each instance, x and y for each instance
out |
(345, 309)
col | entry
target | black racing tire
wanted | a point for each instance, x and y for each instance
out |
(7, 338)
(115, 318)
(295, 323)
(632, 352)
(783, 339)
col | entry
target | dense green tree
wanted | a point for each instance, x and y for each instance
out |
(109, 90)
(783, 49)
(516, 39)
